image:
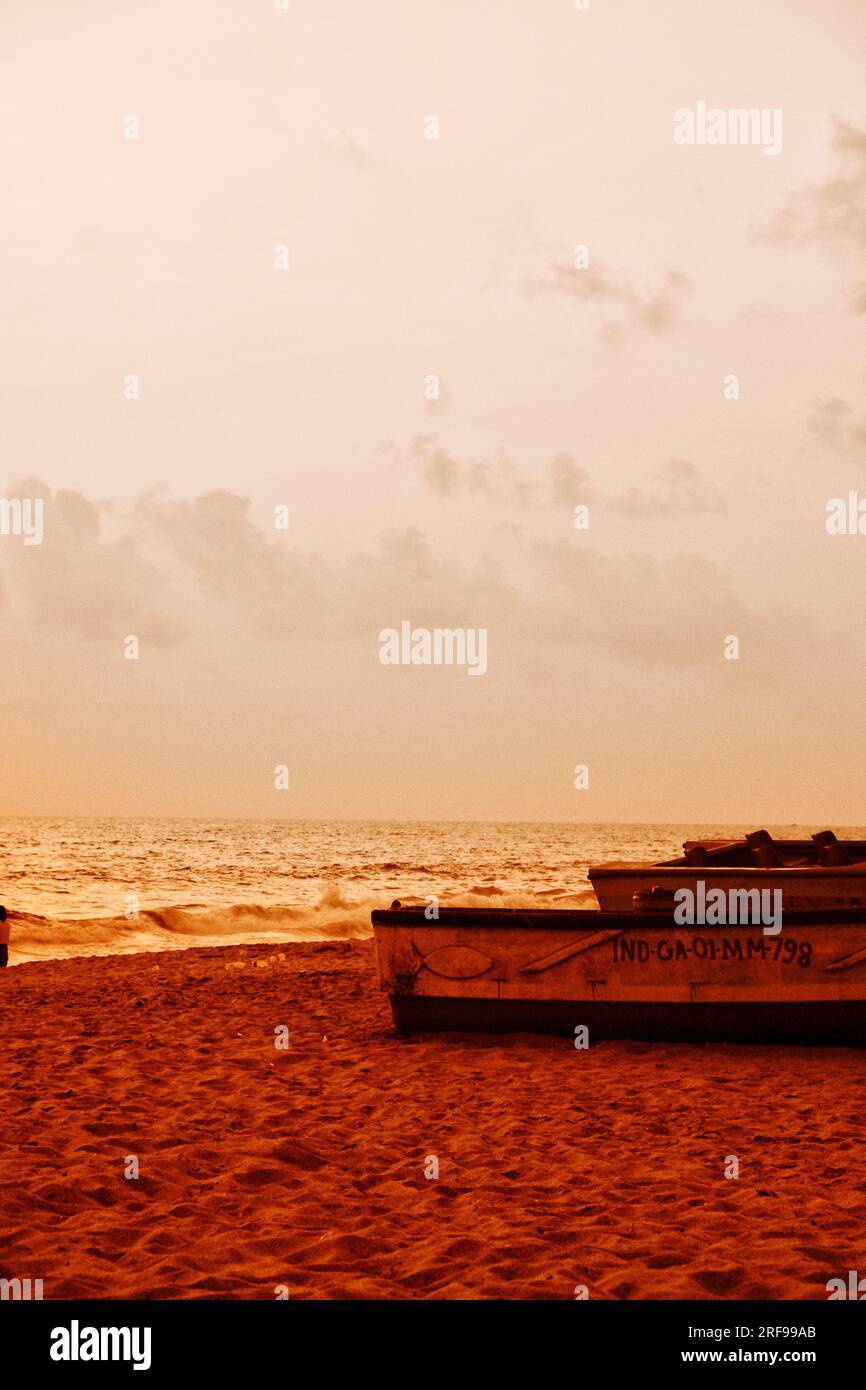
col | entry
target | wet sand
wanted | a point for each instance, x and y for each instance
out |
(304, 1168)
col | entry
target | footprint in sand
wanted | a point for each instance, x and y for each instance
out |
(720, 1281)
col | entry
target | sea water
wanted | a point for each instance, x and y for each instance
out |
(104, 886)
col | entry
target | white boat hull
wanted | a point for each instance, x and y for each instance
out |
(625, 975)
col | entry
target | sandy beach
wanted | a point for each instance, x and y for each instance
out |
(304, 1167)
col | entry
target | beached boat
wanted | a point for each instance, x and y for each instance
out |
(628, 974)
(822, 872)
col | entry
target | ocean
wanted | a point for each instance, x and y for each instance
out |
(114, 886)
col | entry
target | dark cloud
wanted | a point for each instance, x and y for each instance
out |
(833, 212)
(677, 489)
(832, 422)
(439, 469)
(567, 481)
(656, 310)
(498, 478)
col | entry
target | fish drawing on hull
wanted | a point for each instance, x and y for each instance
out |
(453, 962)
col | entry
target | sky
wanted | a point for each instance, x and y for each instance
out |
(308, 388)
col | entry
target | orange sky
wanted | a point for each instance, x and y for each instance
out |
(407, 257)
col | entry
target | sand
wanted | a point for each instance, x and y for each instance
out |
(305, 1167)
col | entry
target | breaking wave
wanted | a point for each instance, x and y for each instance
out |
(334, 917)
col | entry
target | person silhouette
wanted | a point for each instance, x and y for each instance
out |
(4, 938)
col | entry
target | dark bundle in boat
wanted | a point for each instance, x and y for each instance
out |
(822, 871)
(760, 850)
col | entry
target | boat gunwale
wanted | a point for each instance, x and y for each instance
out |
(690, 871)
(595, 919)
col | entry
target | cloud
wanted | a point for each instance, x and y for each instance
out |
(81, 583)
(408, 550)
(498, 478)
(832, 422)
(439, 469)
(567, 481)
(202, 573)
(672, 613)
(656, 310)
(218, 555)
(832, 212)
(678, 490)
(353, 153)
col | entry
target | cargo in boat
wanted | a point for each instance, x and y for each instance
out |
(822, 872)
